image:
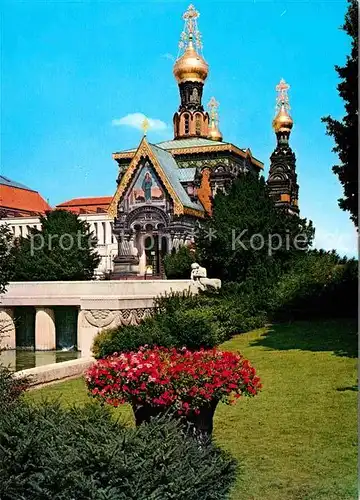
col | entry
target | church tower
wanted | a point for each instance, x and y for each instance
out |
(191, 71)
(282, 180)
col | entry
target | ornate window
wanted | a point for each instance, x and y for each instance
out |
(187, 124)
(198, 125)
(194, 97)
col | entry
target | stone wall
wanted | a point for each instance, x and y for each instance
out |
(100, 304)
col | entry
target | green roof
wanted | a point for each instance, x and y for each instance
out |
(192, 142)
(186, 174)
(171, 170)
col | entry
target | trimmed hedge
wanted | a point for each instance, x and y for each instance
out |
(51, 453)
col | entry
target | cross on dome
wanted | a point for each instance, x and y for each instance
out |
(282, 98)
(190, 32)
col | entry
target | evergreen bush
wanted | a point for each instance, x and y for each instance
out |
(178, 264)
(180, 320)
(319, 284)
(151, 331)
(52, 453)
(194, 328)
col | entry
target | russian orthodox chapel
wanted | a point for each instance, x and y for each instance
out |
(164, 189)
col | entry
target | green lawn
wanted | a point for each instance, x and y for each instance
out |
(298, 438)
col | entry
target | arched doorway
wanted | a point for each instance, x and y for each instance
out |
(155, 247)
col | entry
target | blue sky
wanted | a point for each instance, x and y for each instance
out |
(70, 70)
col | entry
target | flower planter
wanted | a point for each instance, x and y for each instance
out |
(198, 425)
(180, 383)
(143, 413)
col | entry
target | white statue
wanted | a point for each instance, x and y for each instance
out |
(197, 271)
(202, 282)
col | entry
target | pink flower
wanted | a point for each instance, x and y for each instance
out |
(170, 377)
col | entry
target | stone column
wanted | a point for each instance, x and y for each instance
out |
(86, 335)
(126, 263)
(7, 328)
(45, 335)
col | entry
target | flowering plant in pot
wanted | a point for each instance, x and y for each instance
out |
(187, 383)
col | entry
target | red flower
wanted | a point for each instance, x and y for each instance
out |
(169, 377)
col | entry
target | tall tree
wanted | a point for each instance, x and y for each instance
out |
(345, 132)
(64, 249)
(247, 237)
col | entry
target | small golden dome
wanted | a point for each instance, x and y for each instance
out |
(191, 66)
(214, 133)
(282, 121)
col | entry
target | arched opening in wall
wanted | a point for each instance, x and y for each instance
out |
(66, 327)
(156, 247)
(176, 125)
(187, 124)
(24, 318)
(150, 254)
(198, 125)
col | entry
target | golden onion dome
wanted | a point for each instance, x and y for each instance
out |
(282, 121)
(191, 66)
(214, 133)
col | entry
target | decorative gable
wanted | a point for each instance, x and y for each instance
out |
(152, 178)
(146, 188)
(143, 182)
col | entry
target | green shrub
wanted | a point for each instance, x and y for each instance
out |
(101, 342)
(178, 264)
(151, 331)
(51, 453)
(237, 314)
(180, 320)
(194, 328)
(320, 284)
(11, 387)
(170, 303)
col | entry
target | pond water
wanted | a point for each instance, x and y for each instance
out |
(21, 359)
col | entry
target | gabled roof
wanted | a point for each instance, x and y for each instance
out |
(168, 171)
(195, 145)
(186, 174)
(171, 170)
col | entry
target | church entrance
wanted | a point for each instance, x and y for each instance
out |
(155, 247)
